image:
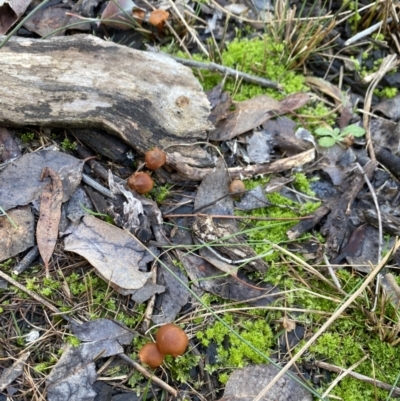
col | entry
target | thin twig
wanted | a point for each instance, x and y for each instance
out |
(95, 185)
(68, 17)
(342, 375)
(265, 83)
(220, 216)
(358, 376)
(303, 263)
(331, 272)
(365, 32)
(230, 261)
(34, 296)
(380, 232)
(149, 375)
(325, 326)
(26, 261)
(189, 28)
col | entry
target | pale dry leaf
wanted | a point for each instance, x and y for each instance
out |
(14, 371)
(50, 216)
(20, 180)
(245, 384)
(247, 115)
(116, 255)
(10, 12)
(19, 237)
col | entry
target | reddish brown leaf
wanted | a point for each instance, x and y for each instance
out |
(253, 112)
(294, 102)
(50, 215)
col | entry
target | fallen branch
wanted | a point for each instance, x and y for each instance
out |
(146, 99)
(187, 172)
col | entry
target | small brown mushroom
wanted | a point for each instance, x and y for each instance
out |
(140, 182)
(155, 158)
(236, 188)
(150, 355)
(171, 340)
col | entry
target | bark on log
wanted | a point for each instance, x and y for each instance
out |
(147, 99)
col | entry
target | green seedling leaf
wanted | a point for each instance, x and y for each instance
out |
(326, 141)
(354, 130)
(324, 131)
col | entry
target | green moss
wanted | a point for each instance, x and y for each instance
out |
(256, 331)
(274, 231)
(74, 341)
(345, 350)
(180, 367)
(387, 92)
(27, 137)
(260, 57)
(160, 193)
(302, 184)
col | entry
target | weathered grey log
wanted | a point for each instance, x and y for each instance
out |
(146, 99)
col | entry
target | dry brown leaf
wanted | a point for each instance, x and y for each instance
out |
(119, 258)
(50, 215)
(293, 102)
(253, 112)
(10, 13)
(116, 14)
(248, 115)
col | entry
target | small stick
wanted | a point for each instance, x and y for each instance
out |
(358, 376)
(26, 261)
(149, 375)
(342, 375)
(265, 83)
(220, 216)
(95, 185)
(380, 232)
(331, 272)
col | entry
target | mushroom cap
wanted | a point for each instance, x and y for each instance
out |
(171, 340)
(155, 158)
(236, 187)
(140, 182)
(150, 355)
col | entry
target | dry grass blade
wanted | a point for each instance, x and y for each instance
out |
(301, 39)
(334, 317)
(50, 215)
